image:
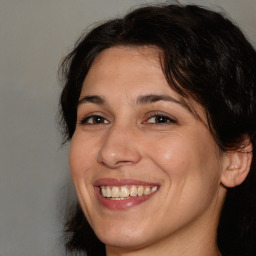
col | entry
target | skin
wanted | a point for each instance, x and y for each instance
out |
(176, 151)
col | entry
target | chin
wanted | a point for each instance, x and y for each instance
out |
(124, 237)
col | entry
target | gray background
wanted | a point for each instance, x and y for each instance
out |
(34, 175)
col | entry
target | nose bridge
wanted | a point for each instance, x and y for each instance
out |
(119, 146)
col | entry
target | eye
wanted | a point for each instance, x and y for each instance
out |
(94, 120)
(160, 119)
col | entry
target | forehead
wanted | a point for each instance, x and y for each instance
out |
(128, 68)
(147, 55)
(129, 72)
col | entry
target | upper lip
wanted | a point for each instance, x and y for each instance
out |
(122, 182)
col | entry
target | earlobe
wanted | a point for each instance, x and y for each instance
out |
(236, 166)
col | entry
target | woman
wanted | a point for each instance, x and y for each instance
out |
(160, 110)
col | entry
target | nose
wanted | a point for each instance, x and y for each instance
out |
(119, 147)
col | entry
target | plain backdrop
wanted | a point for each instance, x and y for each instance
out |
(34, 173)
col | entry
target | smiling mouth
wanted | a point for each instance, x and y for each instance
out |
(126, 192)
(122, 194)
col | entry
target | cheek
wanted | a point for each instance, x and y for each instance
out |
(192, 157)
(75, 158)
(80, 160)
(193, 171)
(80, 155)
(172, 155)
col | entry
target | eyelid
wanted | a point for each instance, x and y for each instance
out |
(85, 118)
(172, 119)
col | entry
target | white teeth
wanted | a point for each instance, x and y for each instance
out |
(147, 191)
(154, 189)
(133, 191)
(115, 192)
(124, 192)
(104, 192)
(108, 192)
(140, 191)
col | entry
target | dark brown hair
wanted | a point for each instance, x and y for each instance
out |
(205, 57)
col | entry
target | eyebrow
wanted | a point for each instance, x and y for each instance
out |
(143, 99)
(151, 98)
(91, 99)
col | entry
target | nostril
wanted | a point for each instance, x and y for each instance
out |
(102, 163)
(116, 164)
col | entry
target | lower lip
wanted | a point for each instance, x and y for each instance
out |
(121, 204)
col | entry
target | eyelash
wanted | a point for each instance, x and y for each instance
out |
(166, 120)
(85, 120)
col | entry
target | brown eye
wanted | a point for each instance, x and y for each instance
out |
(94, 120)
(160, 119)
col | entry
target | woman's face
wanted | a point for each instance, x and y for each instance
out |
(144, 165)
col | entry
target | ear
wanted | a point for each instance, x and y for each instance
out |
(236, 165)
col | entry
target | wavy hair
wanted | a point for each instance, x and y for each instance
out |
(205, 57)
